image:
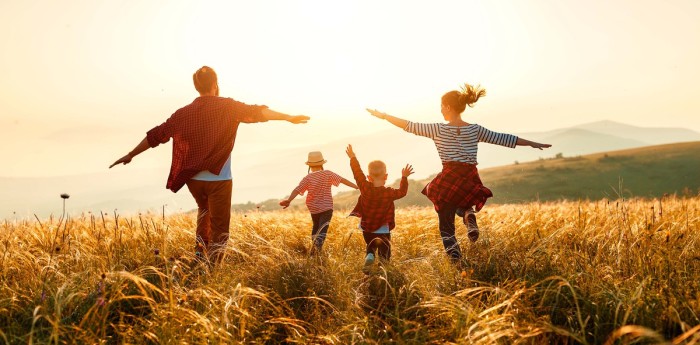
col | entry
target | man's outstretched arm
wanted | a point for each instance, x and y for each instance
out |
(270, 114)
(142, 146)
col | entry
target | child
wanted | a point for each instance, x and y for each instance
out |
(319, 200)
(458, 188)
(375, 206)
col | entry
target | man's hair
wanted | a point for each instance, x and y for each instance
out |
(376, 169)
(204, 79)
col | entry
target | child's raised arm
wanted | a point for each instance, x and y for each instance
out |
(401, 123)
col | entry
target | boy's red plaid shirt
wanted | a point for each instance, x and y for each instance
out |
(375, 206)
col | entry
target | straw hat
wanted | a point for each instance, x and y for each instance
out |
(315, 159)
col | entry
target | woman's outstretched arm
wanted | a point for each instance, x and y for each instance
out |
(401, 123)
(525, 142)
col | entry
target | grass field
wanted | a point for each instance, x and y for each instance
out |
(611, 272)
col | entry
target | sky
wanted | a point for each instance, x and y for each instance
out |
(82, 81)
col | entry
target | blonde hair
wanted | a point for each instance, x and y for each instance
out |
(467, 96)
(376, 169)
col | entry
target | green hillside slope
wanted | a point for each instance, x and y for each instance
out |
(645, 172)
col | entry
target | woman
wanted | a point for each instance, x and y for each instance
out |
(457, 189)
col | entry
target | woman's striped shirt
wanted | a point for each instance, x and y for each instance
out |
(459, 144)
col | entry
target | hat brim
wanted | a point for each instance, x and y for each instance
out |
(313, 164)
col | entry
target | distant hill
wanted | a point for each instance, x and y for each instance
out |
(650, 171)
(272, 174)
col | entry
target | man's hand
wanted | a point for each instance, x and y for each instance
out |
(284, 203)
(124, 160)
(377, 113)
(349, 151)
(408, 170)
(297, 119)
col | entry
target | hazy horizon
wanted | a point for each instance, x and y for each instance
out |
(84, 80)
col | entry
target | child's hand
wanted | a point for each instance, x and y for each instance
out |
(408, 170)
(284, 203)
(377, 113)
(350, 152)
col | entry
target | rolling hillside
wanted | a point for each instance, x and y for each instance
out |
(650, 171)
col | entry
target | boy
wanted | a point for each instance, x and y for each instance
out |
(375, 206)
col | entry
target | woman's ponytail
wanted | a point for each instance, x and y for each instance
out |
(471, 94)
(459, 100)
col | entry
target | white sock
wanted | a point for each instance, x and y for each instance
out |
(369, 257)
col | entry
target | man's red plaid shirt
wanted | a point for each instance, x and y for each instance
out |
(375, 206)
(203, 135)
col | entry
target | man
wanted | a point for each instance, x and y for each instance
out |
(203, 135)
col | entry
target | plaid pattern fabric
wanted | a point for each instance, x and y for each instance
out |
(457, 185)
(203, 135)
(375, 206)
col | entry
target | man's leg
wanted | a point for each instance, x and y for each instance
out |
(220, 214)
(197, 189)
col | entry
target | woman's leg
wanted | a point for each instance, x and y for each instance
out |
(446, 217)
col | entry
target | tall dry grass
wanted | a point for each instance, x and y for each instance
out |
(608, 272)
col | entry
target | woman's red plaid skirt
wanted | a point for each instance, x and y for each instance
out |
(457, 185)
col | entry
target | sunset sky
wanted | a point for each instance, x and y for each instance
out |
(82, 81)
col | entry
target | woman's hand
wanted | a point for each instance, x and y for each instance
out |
(284, 203)
(377, 113)
(539, 145)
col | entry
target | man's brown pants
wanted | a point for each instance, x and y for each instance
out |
(214, 215)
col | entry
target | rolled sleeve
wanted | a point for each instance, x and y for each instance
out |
(160, 134)
(247, 113)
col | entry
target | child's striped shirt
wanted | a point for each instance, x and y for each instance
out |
(459, 144)
(318, 184)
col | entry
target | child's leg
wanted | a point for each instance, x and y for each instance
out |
(321, 222)
(383, 243)
(446, 216)
(369, 251)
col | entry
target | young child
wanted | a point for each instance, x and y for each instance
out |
(457, 189)
(319, 200)
(375, 206)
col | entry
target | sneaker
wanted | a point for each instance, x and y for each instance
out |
(369, 262)
(472, 227)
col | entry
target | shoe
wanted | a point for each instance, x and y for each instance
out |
(369, 262)
(472, 227)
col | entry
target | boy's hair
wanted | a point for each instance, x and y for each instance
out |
(204, 79)
(376, 169)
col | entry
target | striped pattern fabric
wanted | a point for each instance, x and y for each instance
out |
(459, 144)
(318, 184)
